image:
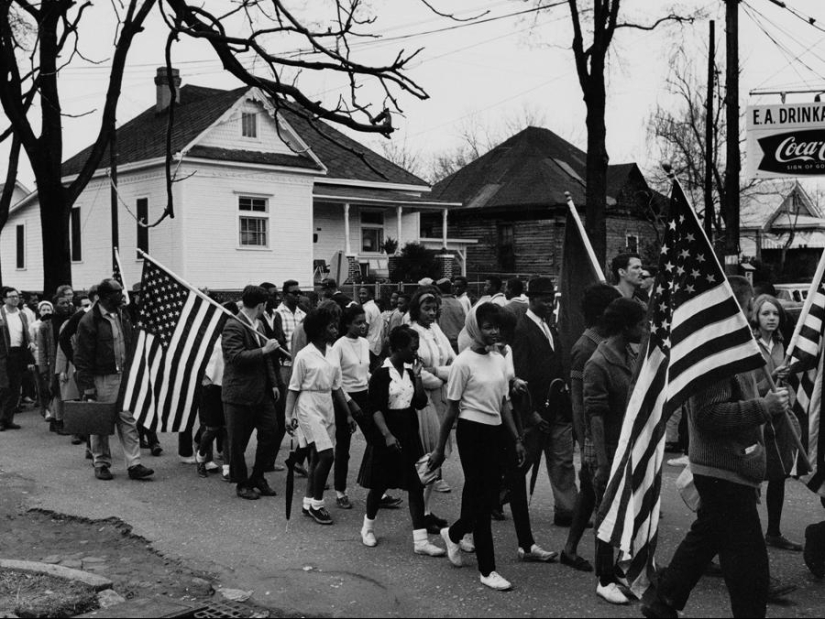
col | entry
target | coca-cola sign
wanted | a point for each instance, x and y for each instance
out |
(798, 153)
(786, 140)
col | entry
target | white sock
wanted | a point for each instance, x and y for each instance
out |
(307, 502)
(199, 458)
(316, 505)
(340, 495)
(369, 525)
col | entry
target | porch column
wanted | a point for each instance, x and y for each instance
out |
(444, 230)
(348, 245)
(398, 213)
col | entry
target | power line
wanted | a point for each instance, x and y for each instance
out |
(798, 14)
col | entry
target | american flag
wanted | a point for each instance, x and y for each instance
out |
(117, 275)
(176, 332)
(806, 381)
(698, 336)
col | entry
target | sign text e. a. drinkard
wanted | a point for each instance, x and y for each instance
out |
(786, 140)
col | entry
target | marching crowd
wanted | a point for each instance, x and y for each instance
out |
(428, 377)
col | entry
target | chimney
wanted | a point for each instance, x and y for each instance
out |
(164, 95)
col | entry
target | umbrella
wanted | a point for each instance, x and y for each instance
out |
(290, 479)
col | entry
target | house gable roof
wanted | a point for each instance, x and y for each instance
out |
(795, 211)
(144, 139)
(534, 168)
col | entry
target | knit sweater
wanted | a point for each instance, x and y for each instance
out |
(725, 425)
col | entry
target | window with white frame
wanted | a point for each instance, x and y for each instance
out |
(254, 221)
(632, 243)
(372, 231)
(249, 125)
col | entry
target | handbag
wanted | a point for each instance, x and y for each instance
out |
(422, 467)
(93, 418)
(559, 401)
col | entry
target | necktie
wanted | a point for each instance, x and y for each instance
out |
(545, 327)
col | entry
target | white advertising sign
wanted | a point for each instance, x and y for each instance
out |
(785, 140)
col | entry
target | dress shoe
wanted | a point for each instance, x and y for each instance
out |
(783, 543)
(579, 563)
(390, 502)
(343, 502)
(103, 473)
(140, 472)
(248, 493)
(263, 488)
(155, 449)
(434, 524)
(320, 515)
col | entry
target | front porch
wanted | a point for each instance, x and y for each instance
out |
(352, 224)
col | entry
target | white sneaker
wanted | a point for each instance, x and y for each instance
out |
(368, 538)
(466, 544)
(537, 554)
(496, 581)
(187, 460)
(428, 549)
(680, 461)
(611, 593)
(453, 549)
(211, 466)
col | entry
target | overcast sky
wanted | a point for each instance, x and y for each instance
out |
(497, 72)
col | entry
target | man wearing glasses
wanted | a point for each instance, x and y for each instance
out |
(15, 355)
(648, 279)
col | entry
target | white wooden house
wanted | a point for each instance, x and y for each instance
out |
(259, 196)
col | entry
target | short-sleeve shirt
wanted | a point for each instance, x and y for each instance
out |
(480, 384)
(314, 371)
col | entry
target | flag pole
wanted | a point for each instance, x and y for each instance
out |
(201, 295)
(806, 309)
(122, 281)
(597, 269)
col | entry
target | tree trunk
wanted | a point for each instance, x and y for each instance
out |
(54, 221)
(597, 160)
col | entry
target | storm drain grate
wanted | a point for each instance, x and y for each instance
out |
(232, 610)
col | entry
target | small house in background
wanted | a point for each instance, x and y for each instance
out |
(784, 230)
(260, 194)
(513, 203)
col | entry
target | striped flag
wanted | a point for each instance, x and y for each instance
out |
(176, 332)
(806, 381)
(117, 275)
(698, 336)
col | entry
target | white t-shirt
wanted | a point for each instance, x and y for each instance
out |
(353, 355)
(375, 324)
(15, 326)
(480, 384)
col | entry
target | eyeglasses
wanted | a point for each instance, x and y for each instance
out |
(296, 293)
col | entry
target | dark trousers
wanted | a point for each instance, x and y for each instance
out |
(516, 483)
(10, 395)
(212, 419)
(728, 524)
(343, 440)
(480, 449)
(585, 504)
(604, 558)
(240, 422)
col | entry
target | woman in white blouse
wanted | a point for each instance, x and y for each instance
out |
(436, 356)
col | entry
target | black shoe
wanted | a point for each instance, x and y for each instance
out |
(300, 471)
(77, 439)
(321, 515)
(156, 449)
(263, 488)
(653, 607)
(248, 493)
(777, 590)
(140, 472)
(12, 426)
(89, 455)
(103, 473)
(434, 524)
(201, 468)
(390, 502)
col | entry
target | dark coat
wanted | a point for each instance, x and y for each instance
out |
(249, 375)
(5, 343)
(537, 363)
(607, 380)
(95, 354)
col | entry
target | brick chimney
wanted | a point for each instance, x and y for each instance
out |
(164, 95)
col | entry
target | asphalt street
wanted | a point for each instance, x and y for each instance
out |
(314, 570)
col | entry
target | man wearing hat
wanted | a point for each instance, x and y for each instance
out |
(452, 315)
(330, 291)
(537, 358)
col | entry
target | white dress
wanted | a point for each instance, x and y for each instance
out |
(437, 353)
(315, 376)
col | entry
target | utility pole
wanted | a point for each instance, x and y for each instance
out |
(733, 164)
(709, 136)
(113, 193)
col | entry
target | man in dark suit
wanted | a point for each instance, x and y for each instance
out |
(15, 356)
(250, 390)
(537, 358)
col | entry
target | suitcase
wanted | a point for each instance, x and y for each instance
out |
(89, 417)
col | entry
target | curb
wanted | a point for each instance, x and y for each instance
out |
(98, 583)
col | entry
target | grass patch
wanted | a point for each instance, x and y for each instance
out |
(40, 595)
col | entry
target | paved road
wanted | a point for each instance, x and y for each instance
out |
(326, 570)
